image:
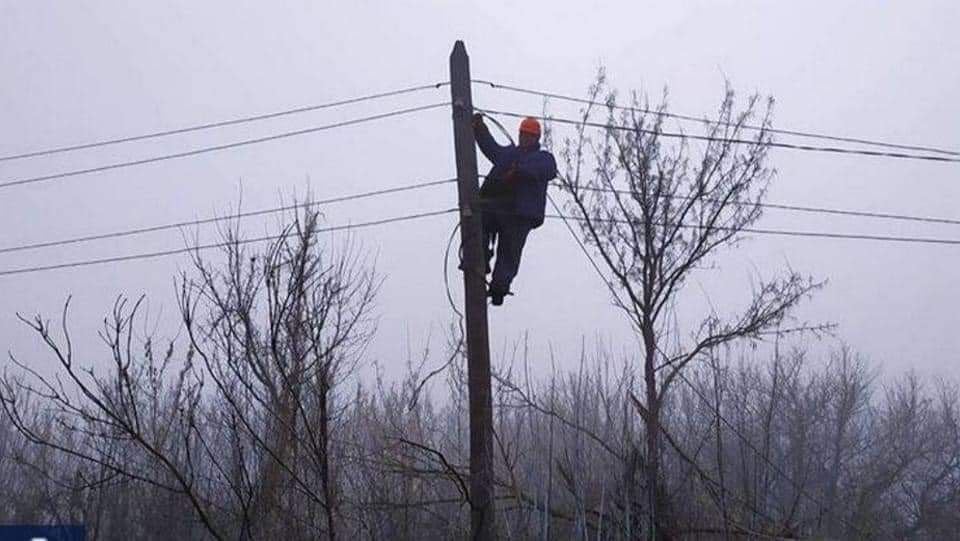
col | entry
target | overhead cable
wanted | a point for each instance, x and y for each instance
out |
(676, 135)
(219, 124)
(216, 148)
(781, 232)
(201, 221)
(797, 208)
(812, 135)
(162, 253)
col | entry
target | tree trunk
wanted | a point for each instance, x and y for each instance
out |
(329, 491)
(652, 423)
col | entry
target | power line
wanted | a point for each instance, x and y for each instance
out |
(696, 119)
(810, 148)
(220, 124)
(565, 218)
(583, 248)
(559, 215)
(797, 208)
(162, 253)
(417, 186)
(204, 150)
(782, 232)
(829, 235)
(201, 221)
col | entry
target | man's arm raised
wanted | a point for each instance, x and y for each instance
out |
(488, 145)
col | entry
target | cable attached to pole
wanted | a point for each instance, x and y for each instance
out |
(675, 135)
(162, 253)
(691, 118)
(202, 221)
(219, 124)
(216, 148)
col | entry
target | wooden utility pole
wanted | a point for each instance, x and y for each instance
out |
(475, 294)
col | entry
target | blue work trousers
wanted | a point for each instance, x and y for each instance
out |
(508, 232)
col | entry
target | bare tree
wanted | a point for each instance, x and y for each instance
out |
(655, 211)
(275, 332)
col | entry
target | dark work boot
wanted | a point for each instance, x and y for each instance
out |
(497, 295)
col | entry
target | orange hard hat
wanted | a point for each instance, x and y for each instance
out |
(530, 125)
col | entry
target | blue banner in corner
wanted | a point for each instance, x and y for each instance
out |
(43, 533)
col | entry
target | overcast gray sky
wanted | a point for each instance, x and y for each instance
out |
(79, 71)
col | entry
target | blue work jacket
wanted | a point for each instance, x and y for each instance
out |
(527, 186)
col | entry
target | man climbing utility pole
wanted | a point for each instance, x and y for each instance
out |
(475, 298)
(513, 197)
